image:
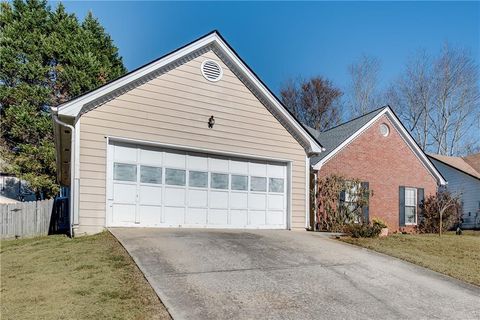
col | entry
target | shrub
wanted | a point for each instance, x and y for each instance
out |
(363, 230)
(443, 204)
(379, 223)
(334, 213)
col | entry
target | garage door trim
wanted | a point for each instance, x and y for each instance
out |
(109, 175)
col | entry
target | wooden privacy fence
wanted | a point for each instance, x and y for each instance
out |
(25, 219)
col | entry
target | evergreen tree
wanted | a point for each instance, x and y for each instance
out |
(47, 57)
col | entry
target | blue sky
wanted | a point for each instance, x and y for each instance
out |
(285, 40)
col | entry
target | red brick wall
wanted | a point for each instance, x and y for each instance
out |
(386, 163)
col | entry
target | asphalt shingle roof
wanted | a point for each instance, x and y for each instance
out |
(332, 138)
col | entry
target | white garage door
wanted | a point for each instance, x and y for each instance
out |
(150, 187)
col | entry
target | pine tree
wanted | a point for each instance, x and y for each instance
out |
(47, 57)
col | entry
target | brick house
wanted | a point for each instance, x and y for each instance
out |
(377, 149)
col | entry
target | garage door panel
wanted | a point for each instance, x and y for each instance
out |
(124, 213)
(196, 216)
(239, 218)
(276, 171)
(218, 199)
(197, 198)
(124, 153)
(218, 165)
(275, 217)
(175, 160)
(239, 167)
(257, 169)
(276, 202)
(257, 201)
(238, 200)
(174, 196)
(124, 193)
(150, 195)
(218, 217)
(151, 157)
(256, 218)
(174, 216)
(197, 163)
(150, 215)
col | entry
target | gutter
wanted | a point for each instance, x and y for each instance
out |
(72, 167)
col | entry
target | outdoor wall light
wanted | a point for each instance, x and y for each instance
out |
(211, 122)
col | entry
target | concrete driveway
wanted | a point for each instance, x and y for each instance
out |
(225, 274)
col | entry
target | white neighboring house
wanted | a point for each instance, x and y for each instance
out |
(464, 178)
(13, 189)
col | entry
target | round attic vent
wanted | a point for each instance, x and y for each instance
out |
(384, 129)
(211, 70)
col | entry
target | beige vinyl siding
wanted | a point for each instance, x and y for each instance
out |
(174, 109)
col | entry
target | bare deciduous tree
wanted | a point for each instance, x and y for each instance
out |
(439, 101)
(412, 95)
(314, 102)
(363, 90)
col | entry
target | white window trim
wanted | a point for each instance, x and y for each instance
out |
(415, 191)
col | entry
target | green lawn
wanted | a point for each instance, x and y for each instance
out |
(456, 256)
(89, 277)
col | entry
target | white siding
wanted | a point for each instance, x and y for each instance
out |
(468, 187)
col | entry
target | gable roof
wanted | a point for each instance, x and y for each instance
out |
(334, 137)
(337, 138)
(457, 163)
(78, 106)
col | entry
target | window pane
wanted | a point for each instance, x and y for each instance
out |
(351, 192)
(239, 182)
(410, 197)
(275, 185)
(219, 181)
(124, 172)
(150, 174)
(197, 179)
(258, 184)
(410, 216)
(175, 177)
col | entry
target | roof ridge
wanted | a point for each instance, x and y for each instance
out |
(356, 118)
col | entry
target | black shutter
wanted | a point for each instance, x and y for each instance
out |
(402, 206)
(420, 198)
(365, 208)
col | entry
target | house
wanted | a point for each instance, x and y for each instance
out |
(192, 139)
(377, 149)
(196, 139)
(463, 175)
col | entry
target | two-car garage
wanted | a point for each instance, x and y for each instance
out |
(193, 139)
(155, 187)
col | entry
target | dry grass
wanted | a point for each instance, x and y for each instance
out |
(89, 277)
(456, 256)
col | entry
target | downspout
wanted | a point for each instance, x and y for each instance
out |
(72, 167)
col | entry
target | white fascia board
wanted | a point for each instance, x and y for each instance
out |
(74, 107)
(416, 149)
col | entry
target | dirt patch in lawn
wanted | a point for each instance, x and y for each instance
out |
(90, 277)
(456, 256)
